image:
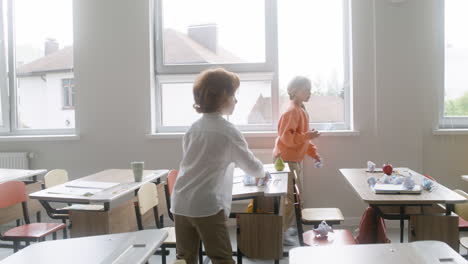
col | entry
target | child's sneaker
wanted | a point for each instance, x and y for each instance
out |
(292, 231)
(288, 240)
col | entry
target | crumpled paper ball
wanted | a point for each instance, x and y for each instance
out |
(323, 229)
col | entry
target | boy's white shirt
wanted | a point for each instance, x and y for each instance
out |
(212, 147)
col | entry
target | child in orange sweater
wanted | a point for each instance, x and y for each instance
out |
(293, 143)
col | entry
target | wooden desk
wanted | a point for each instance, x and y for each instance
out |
(428, 252)
(260, 235)
(401, 206)
(118, 214)
(32, 185)
(135, 247)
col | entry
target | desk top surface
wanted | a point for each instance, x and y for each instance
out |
(123, 181)
(18, 175)
(429, 252)
(276, 186)
(134, 247)
(357, 178)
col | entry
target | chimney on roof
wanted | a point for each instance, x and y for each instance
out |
(50, 46)
(206, 35)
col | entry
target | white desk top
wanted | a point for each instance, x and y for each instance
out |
(18, 175)
(464, 177)
(427, 252)
(357, 178)
(276, 186)
(135, 247)
(127, 184)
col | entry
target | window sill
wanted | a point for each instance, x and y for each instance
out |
(38, 137)
(258, 134)
(441, 132)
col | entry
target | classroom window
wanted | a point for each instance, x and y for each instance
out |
(272, 43)
(38, 47)
(454, 110)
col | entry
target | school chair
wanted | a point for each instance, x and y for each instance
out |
(372, 229)
(56, 177)
(147, 197)
(12, 193)
(314, 216)
(461, 210)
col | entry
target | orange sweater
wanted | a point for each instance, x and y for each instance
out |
(292, 140)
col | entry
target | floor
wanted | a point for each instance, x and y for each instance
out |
(393, 234)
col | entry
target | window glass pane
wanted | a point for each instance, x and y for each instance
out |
(213, 31)
(44, 56)
(456, 59)
(177, 104)
(254, 104)
(3, 58)
(253, 107)
(313, 47)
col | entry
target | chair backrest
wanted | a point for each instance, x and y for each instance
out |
(298, 200)
(11, 193)
(462, 208)
(55, 177)
(147, 197)
(171, 179)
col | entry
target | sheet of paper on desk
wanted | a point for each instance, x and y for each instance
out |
(92, 184)
(73, 191)
(380, 188)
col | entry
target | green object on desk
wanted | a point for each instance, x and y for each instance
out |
(279, 164)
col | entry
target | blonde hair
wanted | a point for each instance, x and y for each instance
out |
(213, 88)
(298, 82)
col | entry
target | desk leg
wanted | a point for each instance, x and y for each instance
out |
(402, 223)
(449, 209)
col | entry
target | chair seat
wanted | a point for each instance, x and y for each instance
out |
(317, 215)
(33, 231)
(171, 237)
(462, 224)
(84, 207)
(338, 237)
(464, 242)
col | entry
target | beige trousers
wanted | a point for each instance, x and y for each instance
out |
(289, 212)
(212, 230)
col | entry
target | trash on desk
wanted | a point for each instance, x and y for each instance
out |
(427, 184)
(409, 183)
(371, 181)
(370, 166)
(250, 180)
(323, 229)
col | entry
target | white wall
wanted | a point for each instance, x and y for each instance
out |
(397, 71)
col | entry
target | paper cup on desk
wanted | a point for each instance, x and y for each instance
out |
(137, 168)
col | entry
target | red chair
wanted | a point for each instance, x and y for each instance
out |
(12, 193)
(309, 238)
(372, 228)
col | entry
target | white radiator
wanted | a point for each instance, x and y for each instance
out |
(14, 160)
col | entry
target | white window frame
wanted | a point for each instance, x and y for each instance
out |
(447, 122)
(9, 103)
(247, 71)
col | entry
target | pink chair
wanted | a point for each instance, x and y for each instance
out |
(12, 193)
